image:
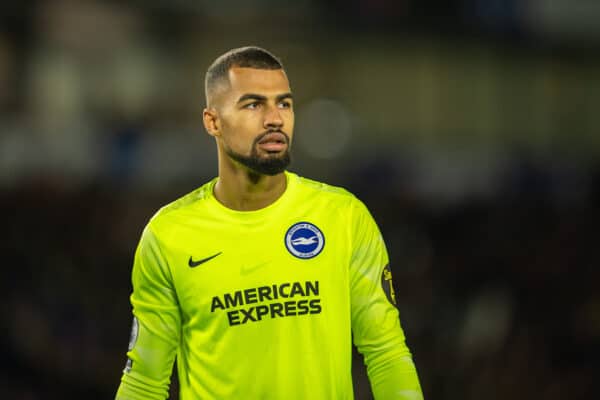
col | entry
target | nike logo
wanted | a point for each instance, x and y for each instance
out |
(246, 269)
(193, 263)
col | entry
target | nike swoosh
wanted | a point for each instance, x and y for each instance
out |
(193, 263)
(250, 269)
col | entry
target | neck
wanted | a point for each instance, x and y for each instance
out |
(244, 190)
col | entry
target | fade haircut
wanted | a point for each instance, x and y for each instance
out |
(243, 57)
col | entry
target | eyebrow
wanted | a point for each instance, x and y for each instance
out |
(260, 97)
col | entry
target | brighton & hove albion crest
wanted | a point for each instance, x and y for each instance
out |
(304, 240)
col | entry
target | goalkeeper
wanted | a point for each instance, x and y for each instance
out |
(257, 282)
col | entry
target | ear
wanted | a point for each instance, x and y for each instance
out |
(211, 122)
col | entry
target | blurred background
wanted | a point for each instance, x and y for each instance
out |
(470, 128)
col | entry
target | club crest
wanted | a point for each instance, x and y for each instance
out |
(304, 240)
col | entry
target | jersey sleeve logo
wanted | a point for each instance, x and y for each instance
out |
(304, 240)
(135, 327)
(388, 286)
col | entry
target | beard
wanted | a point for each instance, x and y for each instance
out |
(271, 164)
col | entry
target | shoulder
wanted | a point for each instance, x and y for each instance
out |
(190, 202)
(333, 197)
(336, 202)
(312, 187)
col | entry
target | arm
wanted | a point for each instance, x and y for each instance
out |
(375, 320)
(154, 341)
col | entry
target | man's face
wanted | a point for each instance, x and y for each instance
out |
(256, 119)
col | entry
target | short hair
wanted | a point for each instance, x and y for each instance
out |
(242, 57)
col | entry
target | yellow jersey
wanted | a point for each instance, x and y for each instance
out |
(265, 304)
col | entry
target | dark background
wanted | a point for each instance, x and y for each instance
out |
(469, 127)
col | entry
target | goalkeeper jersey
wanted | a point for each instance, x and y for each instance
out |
(264, 304)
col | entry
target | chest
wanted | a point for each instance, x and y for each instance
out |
(220, 267)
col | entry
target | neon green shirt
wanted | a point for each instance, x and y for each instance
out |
(263, 304)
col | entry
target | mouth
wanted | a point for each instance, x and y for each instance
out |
(273, 142)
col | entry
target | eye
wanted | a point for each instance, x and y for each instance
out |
(285, 104)
(252, 106)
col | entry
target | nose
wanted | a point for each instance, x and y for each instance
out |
(273, 118)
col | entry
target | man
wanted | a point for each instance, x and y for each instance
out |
(258, 279)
